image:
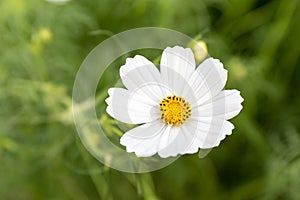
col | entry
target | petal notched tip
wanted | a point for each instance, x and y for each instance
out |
(108, 101)
(132, 63)
(163, 154)
(177, 48)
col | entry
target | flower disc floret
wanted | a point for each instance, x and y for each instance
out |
(174, 110)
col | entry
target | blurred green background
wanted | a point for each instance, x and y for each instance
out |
(42, 47)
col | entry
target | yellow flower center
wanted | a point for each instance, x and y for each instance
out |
(174, 110)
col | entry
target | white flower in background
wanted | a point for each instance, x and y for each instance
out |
(181, 108)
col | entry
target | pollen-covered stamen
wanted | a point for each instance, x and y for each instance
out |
(174, 110)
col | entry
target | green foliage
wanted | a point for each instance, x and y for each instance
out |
(42, 47)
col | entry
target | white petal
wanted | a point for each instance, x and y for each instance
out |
(138, 106)
(207, 80)
(176, 66)
(144, 140)
(153, 91)
(225, 105)
(178, 140)
(138, 71)
(210, 131)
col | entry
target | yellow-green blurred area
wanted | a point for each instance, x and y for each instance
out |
(42, 45)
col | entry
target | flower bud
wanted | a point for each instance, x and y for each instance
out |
(199, 48)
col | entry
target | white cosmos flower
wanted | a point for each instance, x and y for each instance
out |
(181, 108)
